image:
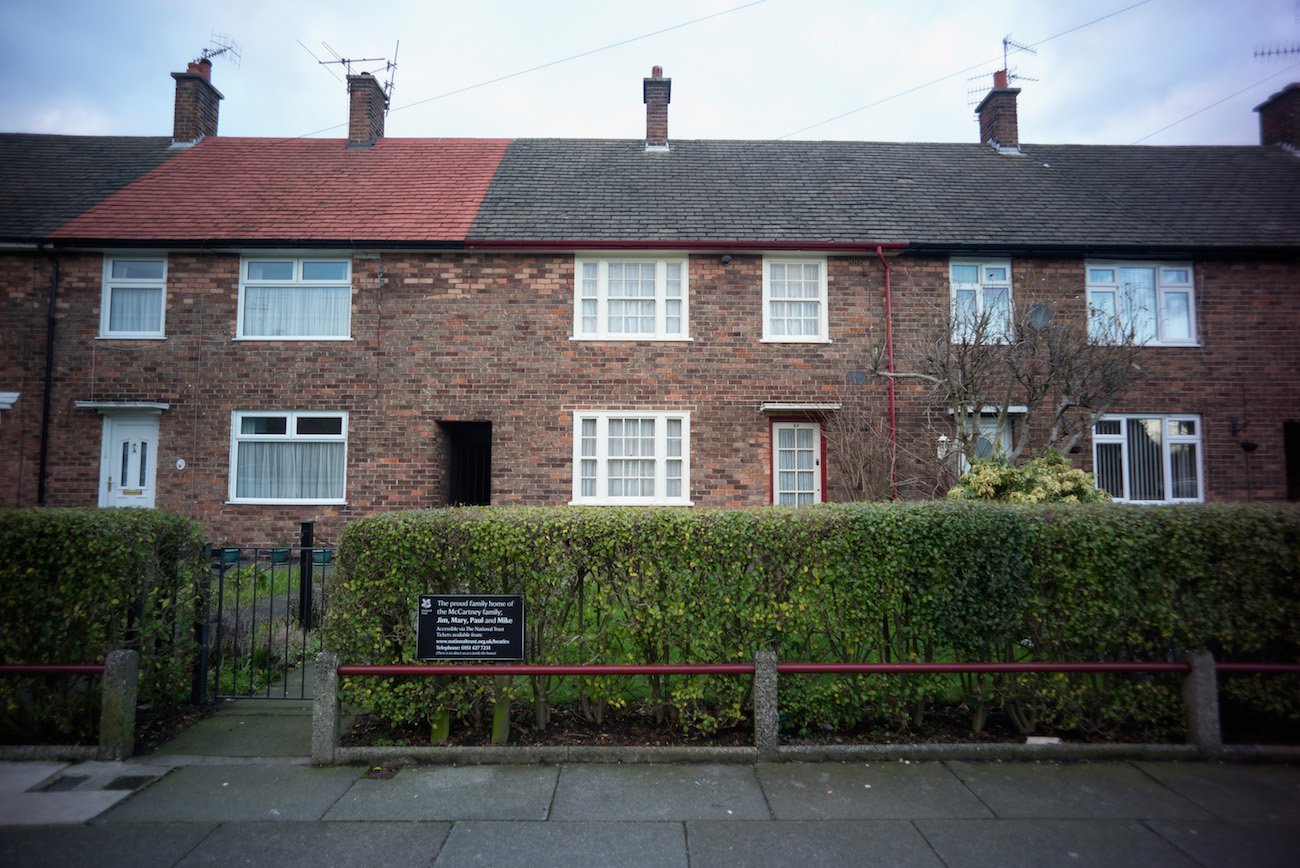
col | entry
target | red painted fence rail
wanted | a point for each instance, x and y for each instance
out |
(51, 668)
(440, 669)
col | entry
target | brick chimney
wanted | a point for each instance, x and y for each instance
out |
(1279, 118)
(366, 106)
(197, 102)
(656, 93)
(998, 124)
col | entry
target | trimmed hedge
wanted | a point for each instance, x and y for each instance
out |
(964, 581)
(78, 583)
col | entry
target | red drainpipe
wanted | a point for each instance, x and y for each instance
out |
(889, 366)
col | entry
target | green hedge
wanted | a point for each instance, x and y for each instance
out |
(78, 583)
(934, 581)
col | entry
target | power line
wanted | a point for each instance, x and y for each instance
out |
(1216, 102)
(561, 60)
(910, 90)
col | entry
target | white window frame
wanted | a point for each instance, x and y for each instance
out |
(291, 435)
(601, 297)
(985, 280)
(296, 281)
(1167, 439)
(111, 283)
(983, 425)
(602, 458)
(1165, 286)
(823, 301)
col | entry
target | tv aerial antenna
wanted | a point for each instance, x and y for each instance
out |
(221, 45)
(388, 69)
(1277, 51)
(978, 86)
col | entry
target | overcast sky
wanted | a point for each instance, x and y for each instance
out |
(762, 70)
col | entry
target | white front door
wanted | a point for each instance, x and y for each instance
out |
(796, 463)
(129, 461)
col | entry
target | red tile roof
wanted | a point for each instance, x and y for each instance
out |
(310, 190)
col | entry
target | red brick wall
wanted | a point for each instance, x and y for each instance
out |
(485, 336)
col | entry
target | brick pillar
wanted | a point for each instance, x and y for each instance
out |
(997, 113)
(366, 107)
(656, 93)
(1279, 118)
(197, 102)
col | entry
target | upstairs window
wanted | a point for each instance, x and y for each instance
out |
(794, 300)
(1151, 304)
(134, 299)
(626, 299)
(981, 301)
(288, 457)
(631, 458)
(295, 299)
(1148, 458)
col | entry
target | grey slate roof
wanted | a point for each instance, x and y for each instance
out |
(46, 180)
(939, 196)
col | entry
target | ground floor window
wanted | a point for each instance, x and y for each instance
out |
(288, 457)
(797, 453)
(631, 458)
(1147, 458)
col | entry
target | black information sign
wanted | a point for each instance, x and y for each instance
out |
(470, 627)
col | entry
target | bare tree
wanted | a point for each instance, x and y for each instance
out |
(864, 465)
(1054, 378)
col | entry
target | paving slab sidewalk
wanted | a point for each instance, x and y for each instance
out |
(238, 788)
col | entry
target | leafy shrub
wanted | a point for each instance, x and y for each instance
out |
(1048, 478)
(953, 580)
(78, 583)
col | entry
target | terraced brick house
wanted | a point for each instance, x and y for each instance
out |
(255, 331)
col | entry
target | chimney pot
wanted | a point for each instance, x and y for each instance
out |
(1000, 78)
(656, 93)
(366, 106)
(1279, 118)
(197, 103)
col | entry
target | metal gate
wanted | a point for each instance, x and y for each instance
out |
(265, 607)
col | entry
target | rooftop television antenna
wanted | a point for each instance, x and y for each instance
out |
(221, 45)
(979, 85)
(389, 66)
(1279, 51)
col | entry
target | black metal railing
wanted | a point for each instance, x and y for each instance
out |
(265, 606)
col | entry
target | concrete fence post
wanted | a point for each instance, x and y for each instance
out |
(766, 720)
(325, 710)
(1201, 696)
(119, 690)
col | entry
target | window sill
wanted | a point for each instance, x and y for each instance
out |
(634, 339)
(249, 502)
(293, 338)
(795, 341)
(130, 337)
(632, 501)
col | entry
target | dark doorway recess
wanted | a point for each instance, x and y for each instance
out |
(469, 463)
(1291, 441)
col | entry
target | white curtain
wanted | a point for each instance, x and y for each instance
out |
(135, 309)
(296, 311)
(290, 471)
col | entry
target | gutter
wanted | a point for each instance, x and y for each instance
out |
(858, 247)
(50, 323)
